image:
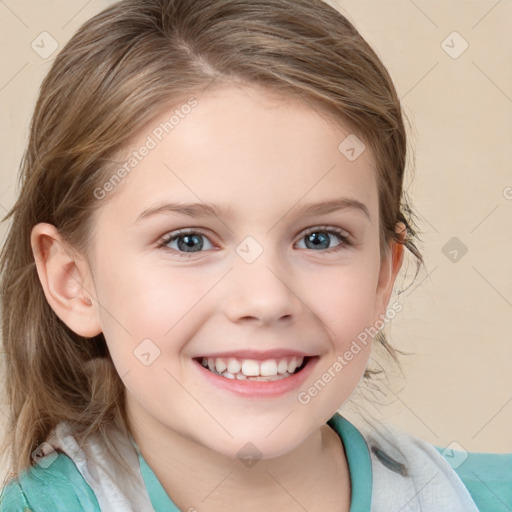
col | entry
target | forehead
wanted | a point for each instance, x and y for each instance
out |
(244, 148)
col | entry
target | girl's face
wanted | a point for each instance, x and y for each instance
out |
(265, 272)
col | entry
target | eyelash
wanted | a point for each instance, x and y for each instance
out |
(344, 240)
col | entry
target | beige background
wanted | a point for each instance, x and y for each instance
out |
(457, 315)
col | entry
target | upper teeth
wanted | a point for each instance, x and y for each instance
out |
(251, 367)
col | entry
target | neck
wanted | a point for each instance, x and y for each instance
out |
(313, 476)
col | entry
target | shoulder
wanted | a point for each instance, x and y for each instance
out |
(409, 474)
(487, 476)
(54, 483)
(97, 473)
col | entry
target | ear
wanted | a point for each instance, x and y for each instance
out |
(389, 268)
(62, 278)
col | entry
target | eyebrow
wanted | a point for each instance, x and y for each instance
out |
(204, 209)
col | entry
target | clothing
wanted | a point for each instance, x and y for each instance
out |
(390, 470)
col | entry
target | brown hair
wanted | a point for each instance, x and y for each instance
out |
(110, 79)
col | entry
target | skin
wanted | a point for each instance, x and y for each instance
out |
(264, 157)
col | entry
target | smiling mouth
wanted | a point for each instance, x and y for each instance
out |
(252, 370)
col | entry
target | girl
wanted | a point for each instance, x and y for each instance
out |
(209, 228)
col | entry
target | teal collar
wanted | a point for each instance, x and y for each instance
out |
(358, 458)
(359, 463)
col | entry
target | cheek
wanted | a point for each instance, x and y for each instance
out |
(137, 296)
(152, 303)
(346, 302)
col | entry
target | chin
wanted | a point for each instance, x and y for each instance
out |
(249, 451)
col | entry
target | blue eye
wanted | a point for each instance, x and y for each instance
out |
(187, 242)
(320, 236)
(190, 242)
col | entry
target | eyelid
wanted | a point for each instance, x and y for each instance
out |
(165, 239)
(171, 235)
(347, 240)
(326, 227)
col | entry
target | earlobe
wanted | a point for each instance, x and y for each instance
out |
(62, 279)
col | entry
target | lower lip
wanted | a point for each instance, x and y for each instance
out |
(258, 389)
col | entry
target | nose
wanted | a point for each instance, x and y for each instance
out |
(262, 292)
